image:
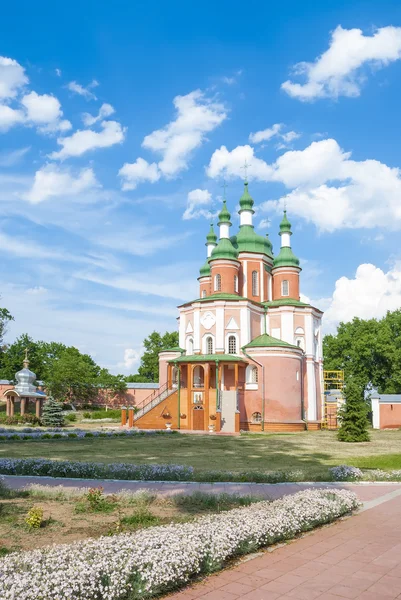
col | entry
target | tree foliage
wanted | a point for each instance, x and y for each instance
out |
(353, 414)
(52, 413)
(148, 371)
(369, 351)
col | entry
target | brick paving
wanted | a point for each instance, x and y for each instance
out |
(358, 557)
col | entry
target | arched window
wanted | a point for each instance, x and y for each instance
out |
(209, 345)
(285, 288)
(199, 377)
(256, 417)
(232, 344)
(255, 283)
(190, 346)
(236, 283)
(175, 377)
(217, 283)
(251, 375)
(203, 293)
(254, 375)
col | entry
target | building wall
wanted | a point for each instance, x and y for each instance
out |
(390, 416)
(227, 270)
(292, 276)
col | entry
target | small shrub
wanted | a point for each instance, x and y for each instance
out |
(46, 436)
(72, 435)
(34, 518)
(141, 518)
(72, 417)
(95, 501)
(88, 434)
(87, 415)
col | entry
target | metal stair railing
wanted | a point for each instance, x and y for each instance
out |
(153, 400)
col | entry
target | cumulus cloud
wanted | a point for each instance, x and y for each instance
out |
(196, 115)
(51, 181)
(266, 134)
(12, 77)
(339, 70)
(104, 111)
(131, 358)
(79, 89)
(9, 117)
(327, 187)
(370, 294)
(138, 172)
(197, 199)
(45, 111)
(84, 140)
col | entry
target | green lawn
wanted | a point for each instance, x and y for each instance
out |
(314, 451)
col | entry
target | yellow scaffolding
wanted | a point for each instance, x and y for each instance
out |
(333, 380)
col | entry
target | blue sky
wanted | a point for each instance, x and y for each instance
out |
(119, 122)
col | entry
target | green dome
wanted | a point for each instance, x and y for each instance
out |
(211, 237)
(286, 258)
(224, 249)
(204, 271)
(246, 200)
(247, 240)
(285, 225)
(224, 216)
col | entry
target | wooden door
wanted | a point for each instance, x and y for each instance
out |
(198, 418)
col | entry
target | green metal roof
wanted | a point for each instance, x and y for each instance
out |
(266, 341)
(286, 258)
(224, 249)
(174, 349)
(247, 240)
(246, 200)
(194, 358)
(284, 302)
(204, 271)
(222, 296)
(224, 216)
(211, 237)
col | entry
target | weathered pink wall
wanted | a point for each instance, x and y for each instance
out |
(390, 416)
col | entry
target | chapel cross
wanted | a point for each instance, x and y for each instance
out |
(245, 167)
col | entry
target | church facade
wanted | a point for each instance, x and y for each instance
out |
(250, 352)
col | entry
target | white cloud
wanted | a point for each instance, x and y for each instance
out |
(45, 111)
(338, 71)
(196, 116)
(196, 199)
(327, 187)
(104, 111)
(79, 89)
(264, 224)
(58, 72)
(9, 159)
(138, 172)
(131, 357)
(12, 77)
(84, 140)
(10, 117)
(266, 134)
(50, 181)
(370, 294)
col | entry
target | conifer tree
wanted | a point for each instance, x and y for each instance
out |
(52, 415)
(353, 415)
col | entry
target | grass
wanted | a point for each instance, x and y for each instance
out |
(311, 451)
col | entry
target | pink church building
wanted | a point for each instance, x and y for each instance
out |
(250, 352)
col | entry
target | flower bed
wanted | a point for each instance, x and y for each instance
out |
(29, 433)
(159, 559)
(86, 470)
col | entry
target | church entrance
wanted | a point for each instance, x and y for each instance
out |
(198, 421)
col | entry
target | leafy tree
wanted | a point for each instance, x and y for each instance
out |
(14, 355)
(137, 379)
(369, 351)
(155, 343)
(52, 414)
(5, 318)
(353, 415)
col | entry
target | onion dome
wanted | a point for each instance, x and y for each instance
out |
(286, 258)
(247, 240)
(246, 201)
(211, 237)
(224, 249)
(25, 379)
(224, 216)
(285, 225)
(204, 271)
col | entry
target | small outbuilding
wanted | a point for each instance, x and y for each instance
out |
(25, 391)
(386, 410)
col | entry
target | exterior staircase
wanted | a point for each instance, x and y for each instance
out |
(153, 400)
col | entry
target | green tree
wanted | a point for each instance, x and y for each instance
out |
(369, 351)
(52, 414)
(14, 355)
(353, 415)
(149, 368)
(5, 318)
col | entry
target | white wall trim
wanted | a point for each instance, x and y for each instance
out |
(219, 329)
(376, 413)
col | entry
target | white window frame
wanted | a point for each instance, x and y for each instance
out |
(236, 284)
(255, 283)
(250, 384)
(285, 281)
(235, 337)
(203, 293)
(189, 345)
(217, 282)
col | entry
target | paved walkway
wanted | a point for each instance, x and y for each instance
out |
(365, 491)
(358, 557)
